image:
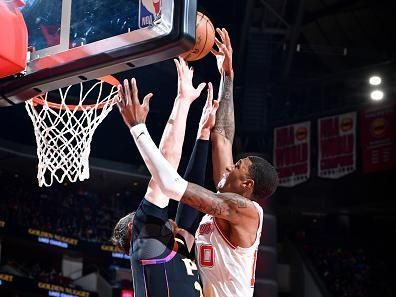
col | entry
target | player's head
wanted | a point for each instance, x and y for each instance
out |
(122, 232)
(251, 177)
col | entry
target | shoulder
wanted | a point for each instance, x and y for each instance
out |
(258, 208)
(242, 205)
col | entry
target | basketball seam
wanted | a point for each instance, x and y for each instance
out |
(199, 22)
(196, 26)
(210, 23)
(206, 39)
(191, 56)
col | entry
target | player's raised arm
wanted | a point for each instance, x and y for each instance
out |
(231, 207)
(186, 216)
(171, 144)
(223, 132)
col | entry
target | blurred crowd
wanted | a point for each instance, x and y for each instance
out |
(348, 255)
(346, 272)
(348, 262)
(69, 210)
(40, 271)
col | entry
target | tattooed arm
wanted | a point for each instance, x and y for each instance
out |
(228, 206)
(223, 132)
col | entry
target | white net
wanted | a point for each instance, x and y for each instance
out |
(64, 132)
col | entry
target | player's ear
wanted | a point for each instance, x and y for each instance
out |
(248, 185)
(130, 224)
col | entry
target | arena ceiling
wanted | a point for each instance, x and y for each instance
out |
(306, 44)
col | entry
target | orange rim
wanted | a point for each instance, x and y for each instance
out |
(111, 80)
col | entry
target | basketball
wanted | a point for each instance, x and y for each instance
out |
(204, 39)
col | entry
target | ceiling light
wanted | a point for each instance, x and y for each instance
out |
(375, 80)
(377, 95)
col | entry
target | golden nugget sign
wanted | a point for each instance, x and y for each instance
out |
(61, 289)
(115, 251)
(109, 248)
(6, 277)
(52, 239)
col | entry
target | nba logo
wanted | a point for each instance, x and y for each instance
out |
(149, 11)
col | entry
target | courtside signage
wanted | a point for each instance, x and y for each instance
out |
(115, 252)
(52, 239)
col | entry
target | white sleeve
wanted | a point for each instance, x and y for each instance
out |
(170, 182)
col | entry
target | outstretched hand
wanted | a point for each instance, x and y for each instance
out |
(131, 110)
(224, 53)
(185, 88)
(208, 117)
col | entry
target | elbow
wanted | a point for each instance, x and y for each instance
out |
(169, 153)
(165, 151)
(168, 191)
(173, 187)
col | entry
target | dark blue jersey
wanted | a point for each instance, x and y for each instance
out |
(160, 262)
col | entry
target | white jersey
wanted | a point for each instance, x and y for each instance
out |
(226, 270)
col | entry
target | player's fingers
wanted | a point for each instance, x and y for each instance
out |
(177, 63)
(209, 97)
(183, 64)
(226, 52)
(118, 101)
(218, 43)
(147, 99)
(223, 47)
(214, 52)
(135, 93)
(127, 91)
(206, 106)
(191, 73)
(227, 38)
(200, 87)
(221, 33)
(215, 107)
(121, 94)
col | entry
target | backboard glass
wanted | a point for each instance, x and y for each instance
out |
(79, 40)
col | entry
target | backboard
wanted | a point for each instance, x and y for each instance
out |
(78, 40)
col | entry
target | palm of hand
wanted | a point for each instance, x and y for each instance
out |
(129, 104)
(208, 119)
(185, 84)
(224, 61)
(186, 89)
(224, 53)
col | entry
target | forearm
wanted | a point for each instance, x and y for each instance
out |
(167, 178)
(186, 216)
(229, 206)
(196, 167)
(225, 121)
(222, 135)
(171, 145)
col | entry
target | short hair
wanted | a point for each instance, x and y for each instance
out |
(265, 177)
(121, 237)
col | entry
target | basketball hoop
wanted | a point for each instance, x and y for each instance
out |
(64, 131)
